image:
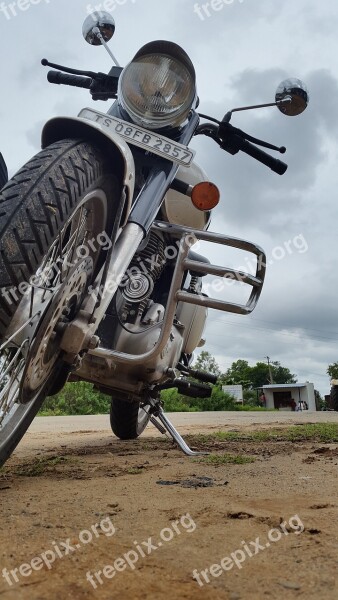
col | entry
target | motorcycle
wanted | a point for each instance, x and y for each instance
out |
(99, 281)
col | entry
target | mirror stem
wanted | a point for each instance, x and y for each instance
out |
(102, 40)
(228, 116)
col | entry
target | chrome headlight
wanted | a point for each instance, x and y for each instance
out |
(158, 88)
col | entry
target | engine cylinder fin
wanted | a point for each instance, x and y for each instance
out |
(145, 269)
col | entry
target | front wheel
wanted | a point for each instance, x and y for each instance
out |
(56, 217)
(128, 419)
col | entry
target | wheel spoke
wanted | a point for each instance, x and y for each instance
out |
(10, 340)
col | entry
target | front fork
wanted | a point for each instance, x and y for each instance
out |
(80, 333)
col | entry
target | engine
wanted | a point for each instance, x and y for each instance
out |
(138, 284)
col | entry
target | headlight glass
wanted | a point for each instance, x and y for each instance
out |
(157, 89)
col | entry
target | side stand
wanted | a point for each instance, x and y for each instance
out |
(166, 426)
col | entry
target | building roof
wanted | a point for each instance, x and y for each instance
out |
(285, 385)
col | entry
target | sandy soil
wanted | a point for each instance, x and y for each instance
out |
(93, 499)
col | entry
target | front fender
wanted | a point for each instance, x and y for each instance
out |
(61, 128)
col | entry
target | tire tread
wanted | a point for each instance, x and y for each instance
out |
(34, 205)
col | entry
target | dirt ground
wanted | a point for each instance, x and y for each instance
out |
(83, 503)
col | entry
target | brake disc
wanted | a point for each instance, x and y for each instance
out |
(45, 351)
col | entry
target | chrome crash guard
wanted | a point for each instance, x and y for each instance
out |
(186, 236)
(176, 294)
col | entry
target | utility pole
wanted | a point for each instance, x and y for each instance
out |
(270, 371)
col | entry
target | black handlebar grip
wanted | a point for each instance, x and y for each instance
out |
(73, 80)
(266, 159)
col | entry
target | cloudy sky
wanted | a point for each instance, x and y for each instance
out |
(241, 53)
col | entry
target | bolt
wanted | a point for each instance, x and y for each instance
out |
(93, 342)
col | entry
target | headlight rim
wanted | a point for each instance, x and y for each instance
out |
(173, 52)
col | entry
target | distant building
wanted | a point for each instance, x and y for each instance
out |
(284, 396)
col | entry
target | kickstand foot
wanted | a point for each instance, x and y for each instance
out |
(168, 426)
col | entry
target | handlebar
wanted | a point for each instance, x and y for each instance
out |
(233, 140)
(226, 136)
(276, 165)
(74, 80)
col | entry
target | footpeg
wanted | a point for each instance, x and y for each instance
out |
(200, 375)
(192, 389)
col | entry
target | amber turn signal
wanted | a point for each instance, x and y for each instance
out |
(205, 195)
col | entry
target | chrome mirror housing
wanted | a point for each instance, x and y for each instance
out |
(98, 22)
(292, 97)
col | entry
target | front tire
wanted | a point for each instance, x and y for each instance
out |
(62, 198)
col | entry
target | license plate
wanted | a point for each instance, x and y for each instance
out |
(143, 138)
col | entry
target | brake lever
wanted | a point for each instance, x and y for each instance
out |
(226, 129)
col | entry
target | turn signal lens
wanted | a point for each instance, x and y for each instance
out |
(205, 195)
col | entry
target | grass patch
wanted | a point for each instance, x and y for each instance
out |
(40, 466)
(309, 432)
(134, 471)
(321, 432)
(226, 459)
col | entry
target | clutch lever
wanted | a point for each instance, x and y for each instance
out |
(102, 86)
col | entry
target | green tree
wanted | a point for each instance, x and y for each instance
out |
(78, 398)
(251, 398)
(238, 374)
(282, 374)
(175, 402)
(332, 370)
(206, 362)
(260, 374)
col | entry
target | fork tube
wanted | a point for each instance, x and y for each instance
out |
(162, 175)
